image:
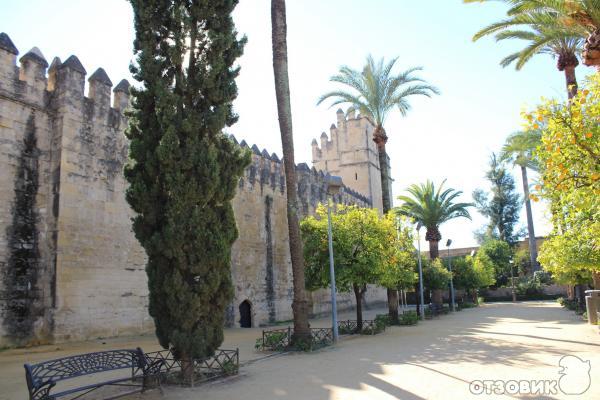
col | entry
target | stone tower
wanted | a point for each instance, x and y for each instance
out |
(349, 152)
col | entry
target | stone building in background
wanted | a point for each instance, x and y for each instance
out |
(70, 266)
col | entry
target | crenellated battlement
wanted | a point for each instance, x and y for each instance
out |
(52, 86)
(267, 170)
(61, 168)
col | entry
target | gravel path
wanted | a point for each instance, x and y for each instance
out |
(437, 359)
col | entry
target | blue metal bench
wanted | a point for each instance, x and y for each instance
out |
(43, 377)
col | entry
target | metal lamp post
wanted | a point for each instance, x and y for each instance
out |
(422, 308)
(334, 183)
(448, 243)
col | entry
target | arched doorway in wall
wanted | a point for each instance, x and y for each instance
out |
(245, 314)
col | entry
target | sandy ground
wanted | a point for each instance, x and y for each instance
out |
(437, 359)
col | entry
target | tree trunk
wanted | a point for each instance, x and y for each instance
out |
(596, 279)
(358, 294)
(591, 50)
(392, 296)
(437, 296)
(532, 242)
(187, 370)
(571, 81)
(380, 138)
(433, 249)
(284, 111)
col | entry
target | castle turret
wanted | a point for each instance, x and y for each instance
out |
(121, 91)
(351, 154)
(8, 60)
(70, 80)
(99, 91)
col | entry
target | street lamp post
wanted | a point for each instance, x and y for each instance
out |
(422, 308)
(512, 282)
(448, 243)
(334, 183)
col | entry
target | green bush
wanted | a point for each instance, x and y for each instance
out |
(480, 301)
(467, 305)
(409, 318)
(383, 319)
(529, 286)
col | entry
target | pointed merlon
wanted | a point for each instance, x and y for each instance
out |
(233, 139)
(243, 143)
(74, 64)
(7, 45)
(333, 127)
(339, 111)
(274, 157)
(255, 150)
(323, 135)
(122, 86)
(302, 167)
(36, 56)
(100, 76)
(314, 142)
(265, 154)
(55, 64)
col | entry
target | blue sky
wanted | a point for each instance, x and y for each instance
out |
(448, 137)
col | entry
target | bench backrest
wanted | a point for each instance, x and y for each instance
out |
(83, 364)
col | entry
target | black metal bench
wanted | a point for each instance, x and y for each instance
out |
(43, 377)
(435, 309)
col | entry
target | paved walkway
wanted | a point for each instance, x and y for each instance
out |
(435, 360)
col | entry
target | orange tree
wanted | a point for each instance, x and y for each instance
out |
(367, 249)
(569, 157)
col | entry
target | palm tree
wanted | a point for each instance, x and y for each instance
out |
(432, 207)
(543, 38)
(375, 92)
(518, 149)
(284, 111)
(579, 18)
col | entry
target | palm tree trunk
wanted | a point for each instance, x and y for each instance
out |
(571, 81)
(380, 138)
(284, 111)
(591, 50)
(532, 243)
(386, 196)
(433, 249)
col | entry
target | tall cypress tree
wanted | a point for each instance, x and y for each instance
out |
(184, 171)
(504, 206)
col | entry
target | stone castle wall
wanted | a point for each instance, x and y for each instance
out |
(70, 266)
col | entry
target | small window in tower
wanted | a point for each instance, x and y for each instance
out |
(356, 175)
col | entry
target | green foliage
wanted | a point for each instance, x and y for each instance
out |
(435, 275)
(366, 247)
(519, 148)
(383, 319)
(470, 273)
(375, 91)
(570, 181)
(409, 318)
(494, 255)
(432, 207)
(529, 286)
(183, 170)
(504, 207)
(522, 261)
